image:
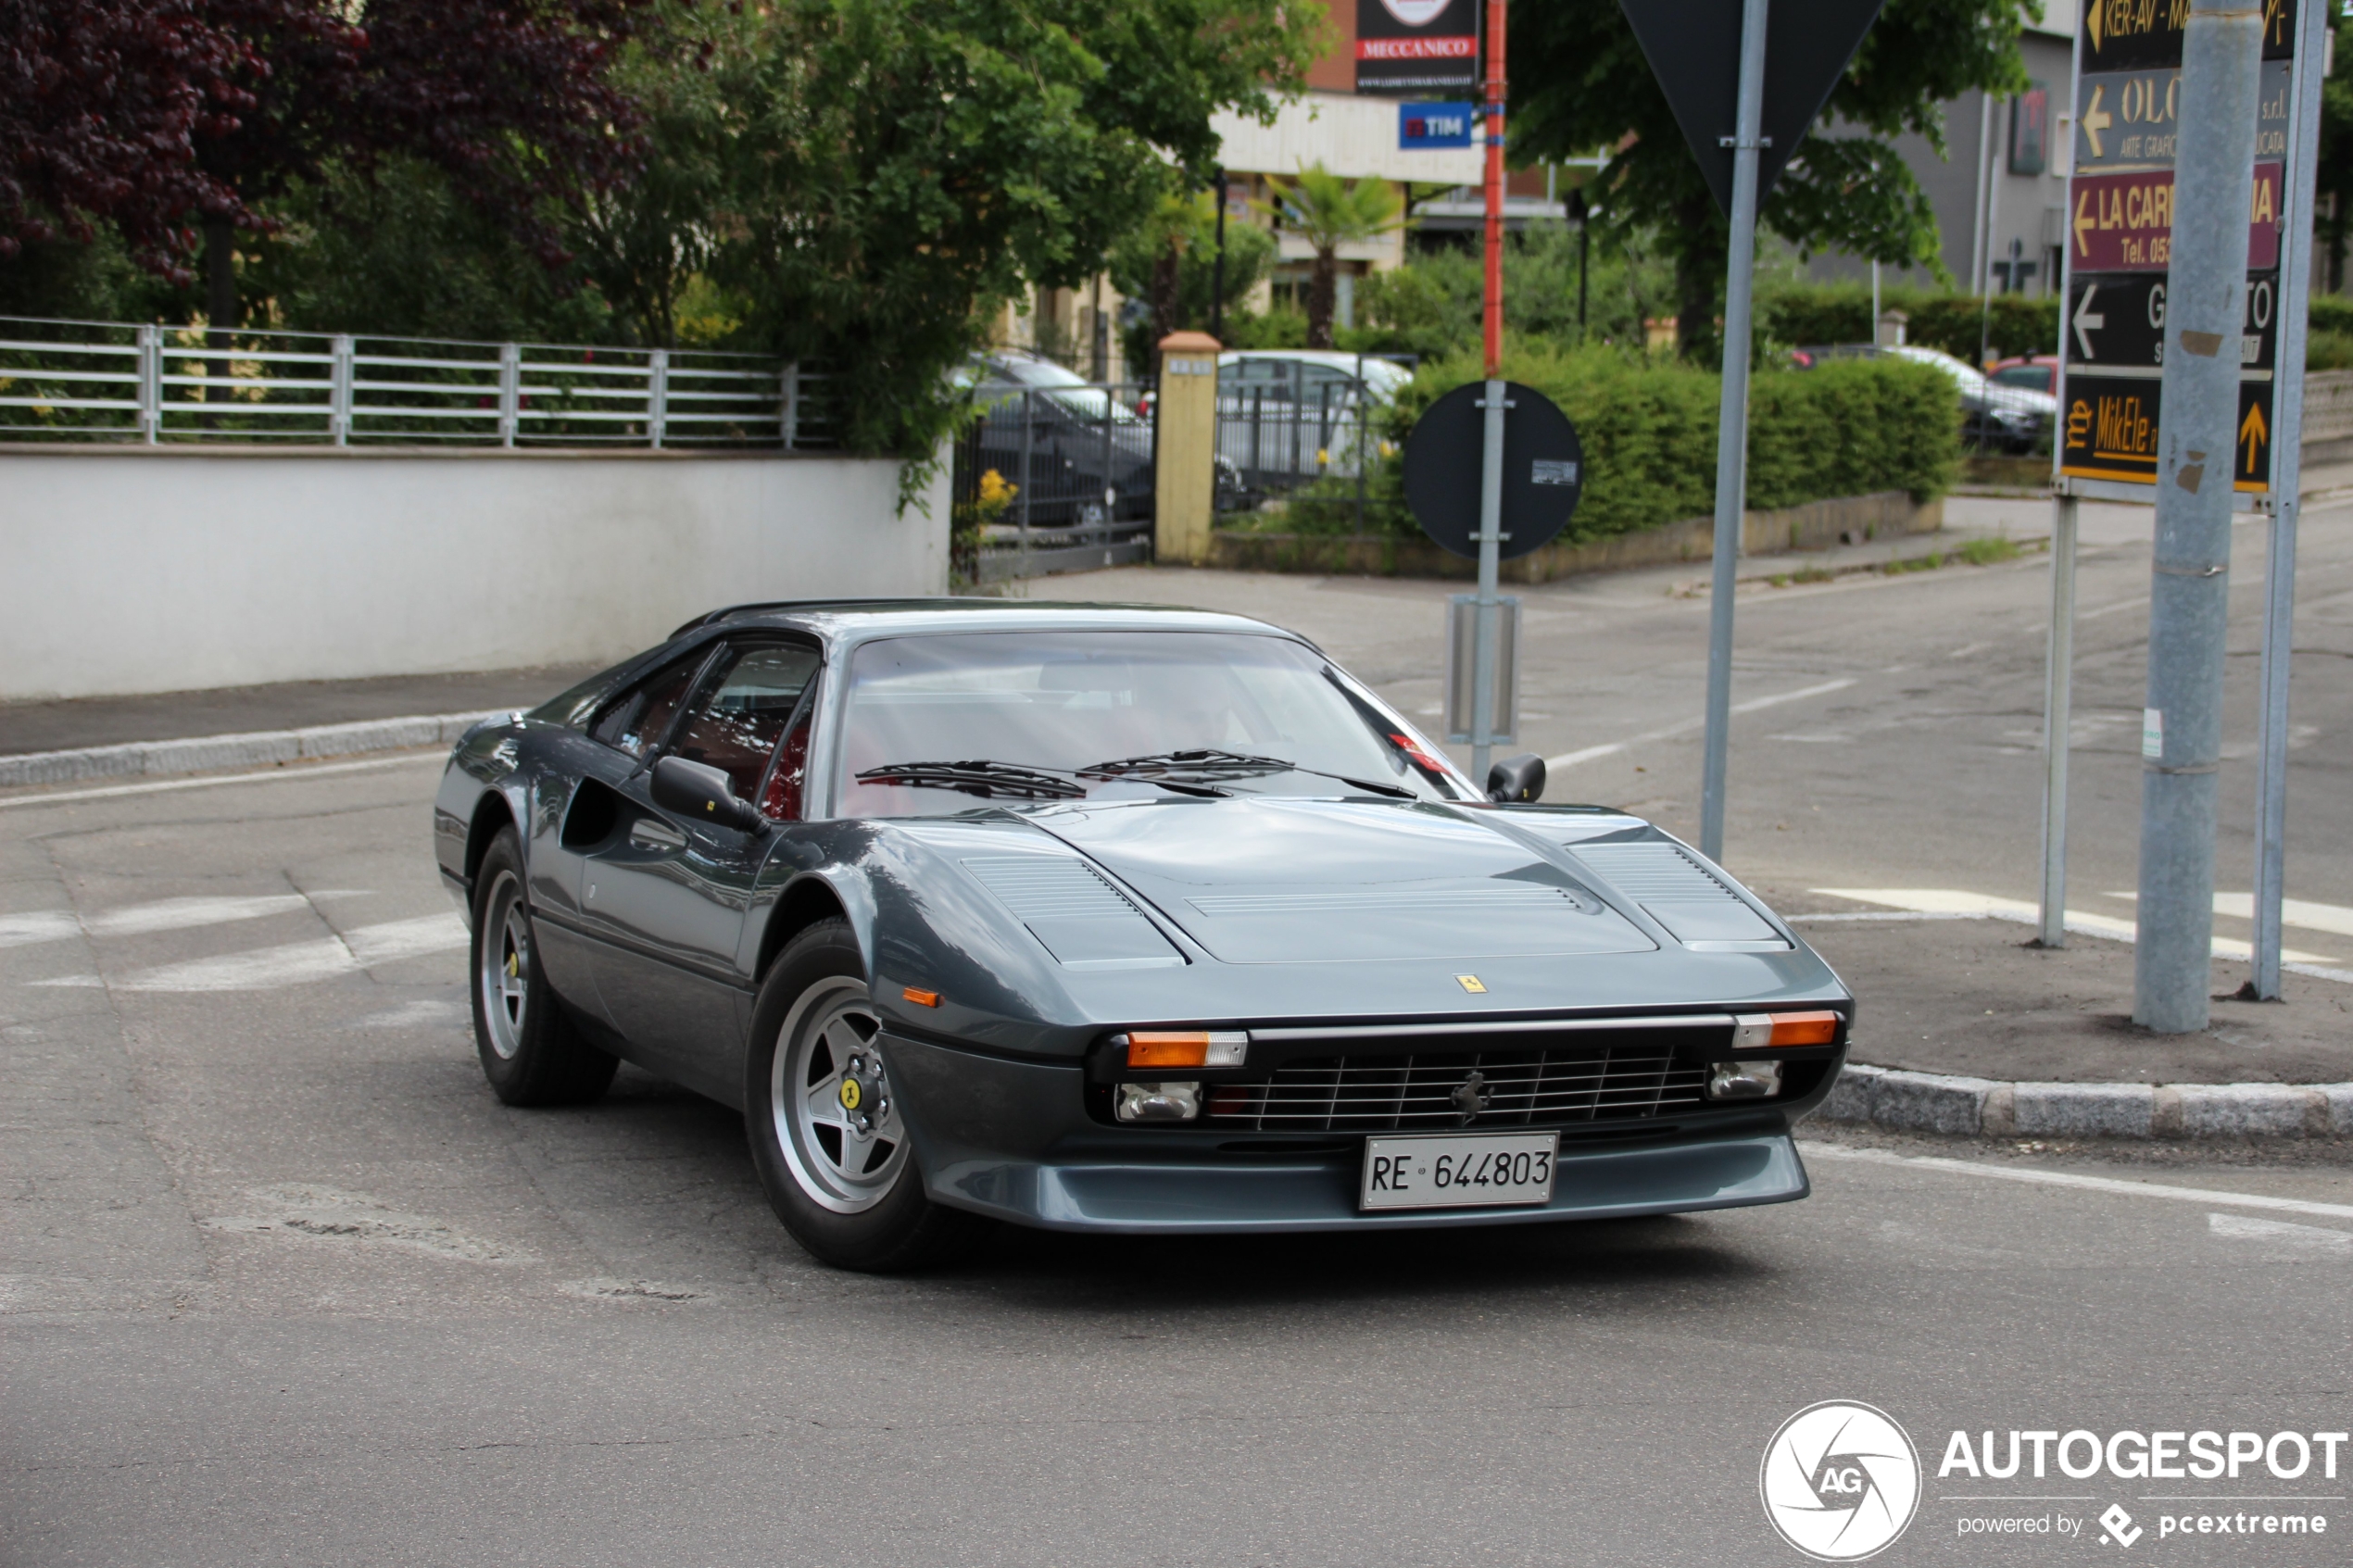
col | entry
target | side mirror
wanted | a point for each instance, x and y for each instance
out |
(1515, 781)
(698, 791)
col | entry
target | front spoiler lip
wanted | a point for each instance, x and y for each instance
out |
(1274, 1197)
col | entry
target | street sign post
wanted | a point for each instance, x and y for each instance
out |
(1533, 474)
(1744, 119)
(2121, 245)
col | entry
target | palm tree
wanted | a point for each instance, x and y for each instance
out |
(1328, 212)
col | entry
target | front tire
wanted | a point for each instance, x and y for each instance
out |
(826, 1118)
(529, 1050)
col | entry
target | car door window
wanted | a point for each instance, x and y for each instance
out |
(748, 700)
(637, 720)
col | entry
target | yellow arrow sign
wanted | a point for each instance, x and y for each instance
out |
(2084, 220)
(2253, 434)
(2096, 119)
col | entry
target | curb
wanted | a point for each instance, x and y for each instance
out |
(1933, 1102)
(204, 754)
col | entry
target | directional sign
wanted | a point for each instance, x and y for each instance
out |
(2112, 425)
(1693, 47)
(1543, 469)
(2121, 34)
(2129, 118)
(2124, 222)
(2115, 324)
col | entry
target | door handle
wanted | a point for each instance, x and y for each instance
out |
(651, 832)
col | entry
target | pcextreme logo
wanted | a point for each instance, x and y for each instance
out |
(1841, 1481)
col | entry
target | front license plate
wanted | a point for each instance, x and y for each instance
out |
(1459, 1171)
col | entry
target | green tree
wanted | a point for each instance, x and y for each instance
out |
(1328, 212)
(1588, 85)
(1169, 262)
(897, 169)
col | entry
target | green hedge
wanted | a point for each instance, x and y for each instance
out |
(1841, 313)
(1648, 428)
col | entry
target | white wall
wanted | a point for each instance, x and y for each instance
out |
(149, 570)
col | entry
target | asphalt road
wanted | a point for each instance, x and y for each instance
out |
(282, 1284)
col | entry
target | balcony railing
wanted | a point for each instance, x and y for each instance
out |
(116, 381)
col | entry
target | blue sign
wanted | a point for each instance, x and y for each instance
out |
(1435, 125)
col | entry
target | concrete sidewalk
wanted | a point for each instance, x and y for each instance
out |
(127, 720)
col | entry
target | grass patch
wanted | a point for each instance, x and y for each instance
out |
(1917, 563)
(1985, 552)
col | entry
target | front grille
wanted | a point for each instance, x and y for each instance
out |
(1389, 1093)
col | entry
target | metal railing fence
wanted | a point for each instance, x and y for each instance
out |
(1307, 428)
(118, 381)
(1053, 480)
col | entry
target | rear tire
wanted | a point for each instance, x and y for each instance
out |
(828, 1133)
(529, 1050)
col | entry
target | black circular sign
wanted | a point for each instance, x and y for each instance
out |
(1543, 469)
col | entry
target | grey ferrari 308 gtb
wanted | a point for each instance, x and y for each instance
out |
(1112, 918)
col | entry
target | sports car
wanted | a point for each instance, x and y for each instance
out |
(1112, 918)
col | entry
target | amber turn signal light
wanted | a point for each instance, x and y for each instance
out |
(1186, 1048)
(1805, 1028)
(1763, 1031)
(921, 998)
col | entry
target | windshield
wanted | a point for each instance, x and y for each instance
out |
(1030, 715)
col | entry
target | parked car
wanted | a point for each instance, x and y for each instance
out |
(2035, 372)
(1113, 919)
(2015, 418)
(1287, 417)
(1079, 454)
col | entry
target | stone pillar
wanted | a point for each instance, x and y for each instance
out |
(1184, 449)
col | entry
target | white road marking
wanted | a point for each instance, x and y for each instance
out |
(1686, 726)
(2280, 1233)
(2208, 1196)
(265, 775)
(2334, 919)
(1952, 903)
(293, 963)
(137, 920)
(2083, 615)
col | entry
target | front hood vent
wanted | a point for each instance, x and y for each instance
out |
(1083, 920)
(1677, 889)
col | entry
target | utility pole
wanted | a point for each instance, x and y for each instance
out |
(1491, 487)
(2287, 479)
(1217, 273)
(1731, 427)
(2189, 591)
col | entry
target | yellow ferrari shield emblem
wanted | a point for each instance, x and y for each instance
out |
(851, 1094)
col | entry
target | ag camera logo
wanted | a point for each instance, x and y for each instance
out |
(1840, 1482)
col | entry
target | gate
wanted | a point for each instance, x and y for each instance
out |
(1291, 425)
(1052, 479)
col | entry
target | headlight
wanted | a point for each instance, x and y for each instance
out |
(1158, 1102)
(1185, 1048)
(1743, 1080)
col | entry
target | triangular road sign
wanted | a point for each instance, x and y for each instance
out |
(1693, 47)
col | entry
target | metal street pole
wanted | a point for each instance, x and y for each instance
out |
(1217, 273)
(1491, 483)
(2058, 673)
(2057, 697)
(1732, 428)
(2287, 479)
(2189, 590)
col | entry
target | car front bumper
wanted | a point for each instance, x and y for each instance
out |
(1008, 1139)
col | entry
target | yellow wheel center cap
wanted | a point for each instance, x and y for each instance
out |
(851, 1094)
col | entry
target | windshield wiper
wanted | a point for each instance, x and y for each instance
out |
(1211, 764)
(984, 777)
(979, 777)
